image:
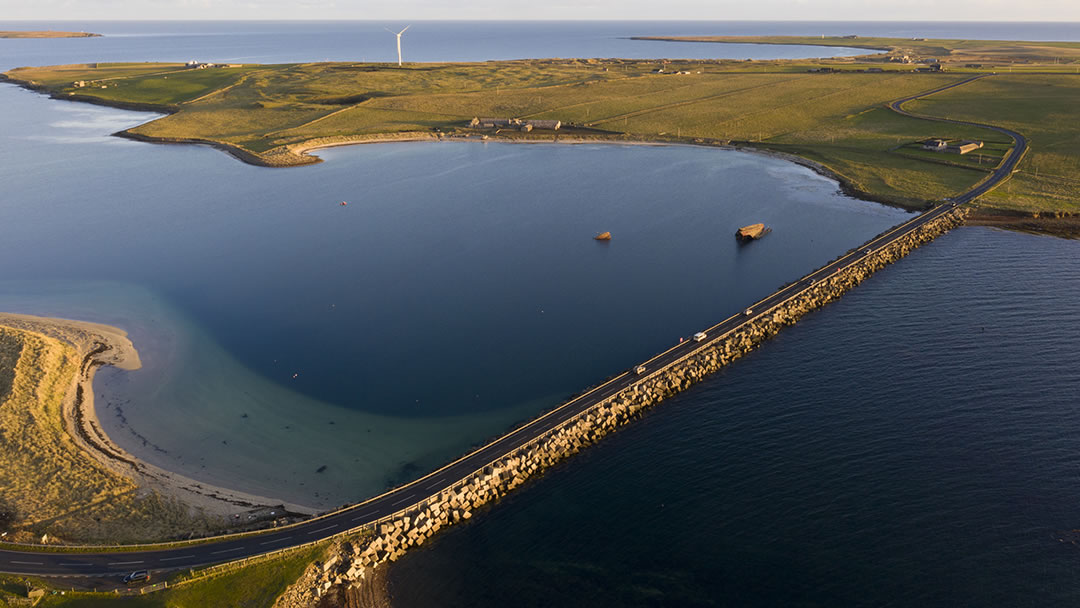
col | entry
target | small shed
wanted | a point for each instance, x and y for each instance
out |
(492, 123)
(551, 125)
(964, 147)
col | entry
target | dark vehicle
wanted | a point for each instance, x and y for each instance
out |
(136, 577)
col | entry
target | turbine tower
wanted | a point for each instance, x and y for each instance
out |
(398, 34)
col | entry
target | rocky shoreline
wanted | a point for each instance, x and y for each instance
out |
(347, 575)
(1061, 225)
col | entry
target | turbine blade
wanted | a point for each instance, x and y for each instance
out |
(403, 31)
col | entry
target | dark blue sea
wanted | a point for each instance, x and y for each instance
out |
(911, 444)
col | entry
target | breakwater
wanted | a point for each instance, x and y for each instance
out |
(347, 573)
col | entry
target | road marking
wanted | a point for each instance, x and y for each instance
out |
(75, 564)
(126, 563)
(276, 540)
(28, 563)
(401, 501)
(322, 529)
(437, 482)
(362, 516)
(225, 550)
(172, 559)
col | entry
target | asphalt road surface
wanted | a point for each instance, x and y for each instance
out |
(117, 563)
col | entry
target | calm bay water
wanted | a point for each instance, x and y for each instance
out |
(913, 444)
(908, 445)
(459, 291)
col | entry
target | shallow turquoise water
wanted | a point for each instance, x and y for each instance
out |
(458, 291)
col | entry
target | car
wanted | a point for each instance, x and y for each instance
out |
(639, 370)
(867, 251)
(749, 311)
(136, 577)
(699, 336)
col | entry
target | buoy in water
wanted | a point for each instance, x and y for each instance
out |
(343, 203)
(603, 236)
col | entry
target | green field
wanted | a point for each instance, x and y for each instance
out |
(253, 586)
(1045, 109)
(273, 114)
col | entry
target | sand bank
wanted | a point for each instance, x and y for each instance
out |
(99, 345)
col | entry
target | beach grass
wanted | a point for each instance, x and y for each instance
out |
(48, 485)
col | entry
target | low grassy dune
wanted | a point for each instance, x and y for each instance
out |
(47, 484)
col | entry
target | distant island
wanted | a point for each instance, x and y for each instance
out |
(829, 114)
(46, 34)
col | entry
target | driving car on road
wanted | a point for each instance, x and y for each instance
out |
(136, 577)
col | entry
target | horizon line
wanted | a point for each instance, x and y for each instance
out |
(510, 19)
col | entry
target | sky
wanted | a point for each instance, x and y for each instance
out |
(682, 10)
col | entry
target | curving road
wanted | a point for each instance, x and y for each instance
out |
(1003, 171)
(371, 511)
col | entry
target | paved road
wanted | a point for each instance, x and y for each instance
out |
(1020, 143)
(93, 564)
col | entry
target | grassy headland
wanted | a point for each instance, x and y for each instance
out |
(45, 34)
(274, 114)
(953, 54)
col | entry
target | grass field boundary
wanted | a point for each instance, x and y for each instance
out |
(897, 106)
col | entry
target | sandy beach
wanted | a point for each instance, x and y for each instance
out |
(99, 345)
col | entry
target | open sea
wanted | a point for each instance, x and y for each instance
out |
(913, 444)
(909, 445)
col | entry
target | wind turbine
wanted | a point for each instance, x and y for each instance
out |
(398, 34)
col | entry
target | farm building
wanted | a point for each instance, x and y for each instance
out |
(937, 145)
(514, 123)
(964, 147)
(551, 125)
(493, 123)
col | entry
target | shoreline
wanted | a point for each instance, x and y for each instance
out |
(23, 34)
(98, 345)
(302, 154)
(830, 41)
(1062, 226)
